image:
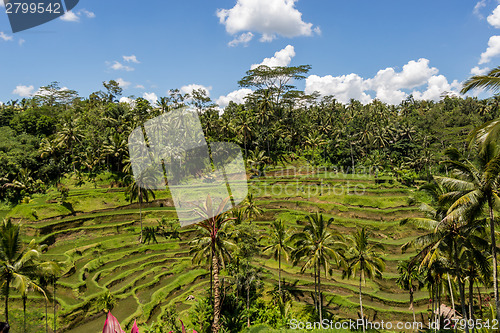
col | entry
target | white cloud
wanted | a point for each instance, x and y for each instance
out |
(494, 17)
(188, 89)
(281, 58)
(74, 16)
(131, 58)
(122, 83)
(70, 16)
(244, 39)
(151, 97)
(127, 100)
(267, 17)
(87, 13)
(492, 50)
(21, 42)
(118, 66)
(477, 8)
(23, 91)
(479, 71)
(436, 87)
(389, 85)
(140, 86)
(5, 37)
(237, 96)
(342, 87)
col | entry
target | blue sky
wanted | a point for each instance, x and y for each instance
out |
(361, 49)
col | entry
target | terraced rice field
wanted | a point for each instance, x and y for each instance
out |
(100, 239)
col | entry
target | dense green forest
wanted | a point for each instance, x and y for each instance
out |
(435, 164)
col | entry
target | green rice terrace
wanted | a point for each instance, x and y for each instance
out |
(95, 233)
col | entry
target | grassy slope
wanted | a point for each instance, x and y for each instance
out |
(97, 231)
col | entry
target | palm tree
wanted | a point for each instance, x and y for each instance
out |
(490, 81)
(279, 239)
(363, 257)
(448, 239)
(47, 271)
(23, 284)
(318, 245)
(106, 302)
(409, 279)
(214, 220)
(141, 190)
(17, 265)
(201, 250)
(250, 207)
(474, 188)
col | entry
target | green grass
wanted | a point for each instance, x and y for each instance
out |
(100, 240)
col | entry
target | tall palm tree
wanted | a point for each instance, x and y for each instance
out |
(141, 190)
(250, 207)
(363, 257)
(24, 284)
(318, 245)
(409, 279)
(279, 239)
(47, 271)
(214, 220)
(201, 249)
(17, 264)
(474, 188)
(449, 238)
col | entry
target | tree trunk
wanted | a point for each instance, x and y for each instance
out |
(438, 303)
(217, 302)
(315, 289)
(480, 301)
(494, 257)
(451, 295)
(7, 289)
(462, 301)
(471, 298)
(279, 274)
(46, 316)
(248, 305)
(140, 215)
(361, 301)
(460, 287)
(55, 304)
(24, 313)
(412, 305)
(320, 300)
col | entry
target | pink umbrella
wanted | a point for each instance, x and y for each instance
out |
(111, 325)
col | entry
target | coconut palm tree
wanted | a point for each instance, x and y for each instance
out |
(490, 81)
(410, 278)
(201, 249)
(214, 220)
(18, 265)
(279, 239)
(24, 284)
(106, 302)
(363, 257)
(141, 190)
(48, 270)
(318, 246)
(250, 207)
(474, 188)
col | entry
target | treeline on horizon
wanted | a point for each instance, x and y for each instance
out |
(57, 131)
